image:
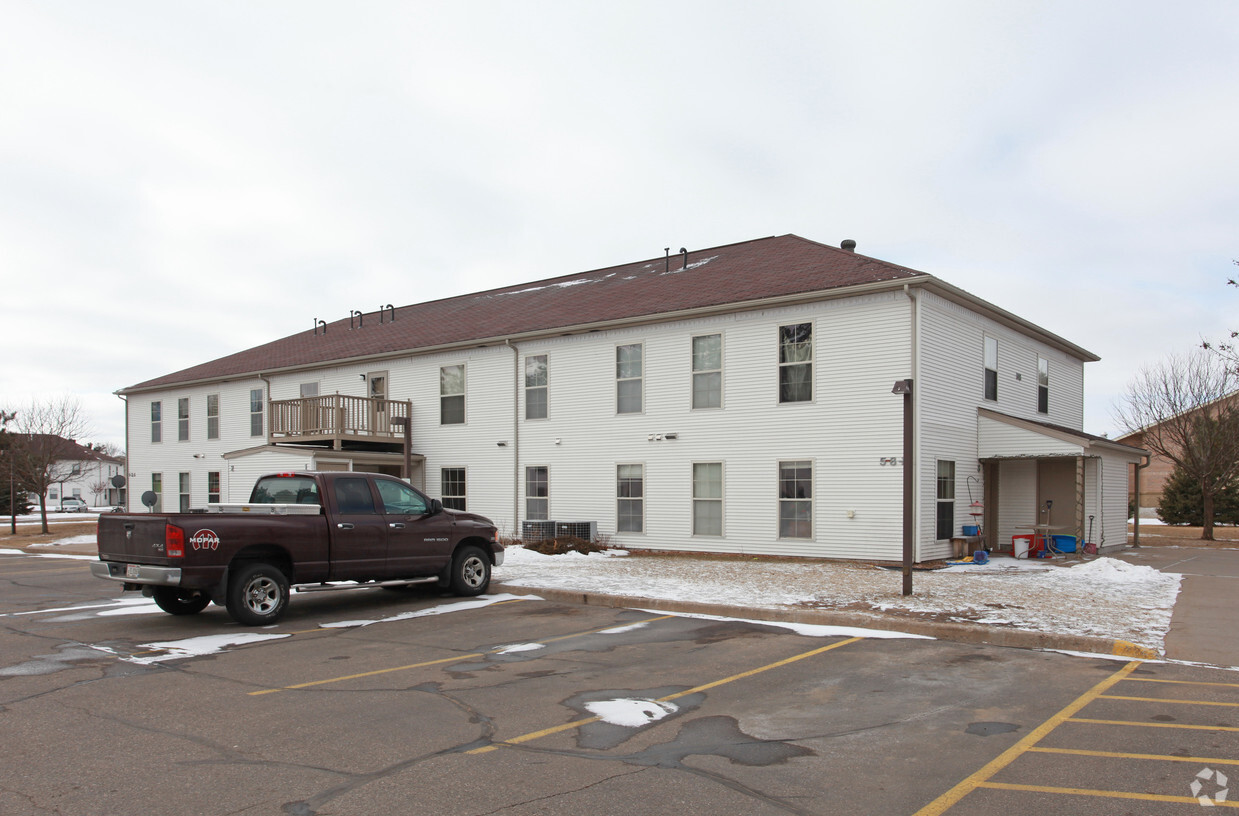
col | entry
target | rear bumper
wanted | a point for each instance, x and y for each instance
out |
(136, 573)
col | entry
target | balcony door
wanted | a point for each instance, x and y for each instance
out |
(376, 388)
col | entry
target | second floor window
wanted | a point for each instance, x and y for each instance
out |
(708, 371)
(536, 402)
(628, 379)
(182, 419)
(212, 416)
(991, 368)
(156, 421)
(256, 412)
(796, 363)
(452, 395)
(1043, 385)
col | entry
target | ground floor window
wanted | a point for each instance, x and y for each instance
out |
(184, 492)
(157, 489)
(630, 497)
(796, 499)
(707, 498)
(537, 494)
(452, 483)
(213, 487)
(946, 499)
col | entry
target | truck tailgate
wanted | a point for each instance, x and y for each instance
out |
(137, 539)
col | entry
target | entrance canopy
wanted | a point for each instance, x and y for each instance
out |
(1000, 436)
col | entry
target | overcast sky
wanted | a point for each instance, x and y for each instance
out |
(182, 180)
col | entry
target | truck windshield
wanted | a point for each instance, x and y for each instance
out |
(285, 490)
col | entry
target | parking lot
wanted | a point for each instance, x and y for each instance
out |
(390, 702)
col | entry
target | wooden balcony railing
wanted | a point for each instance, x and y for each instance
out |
(337, 418)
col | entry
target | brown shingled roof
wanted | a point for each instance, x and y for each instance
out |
(786, 265)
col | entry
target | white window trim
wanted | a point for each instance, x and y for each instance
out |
(722, 500)
(779, 365)
(525, 492)
(547, 387)
(778, 473)
(615, 369)
(464, 395)
(619, 499)
(722, 378)
(464, 495)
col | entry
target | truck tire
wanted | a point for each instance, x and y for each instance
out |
(257, 594)
(470, 571)
(179, 602)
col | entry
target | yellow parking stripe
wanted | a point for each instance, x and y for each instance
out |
(453, 659)
(1153, 725)
(1180, 682)
(1120, 755)
(533, 735)
(1145, 797)
(948, 800)
(1164, 700)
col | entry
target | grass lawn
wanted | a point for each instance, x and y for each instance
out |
(31, 533)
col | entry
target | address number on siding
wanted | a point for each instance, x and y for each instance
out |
(890, 460)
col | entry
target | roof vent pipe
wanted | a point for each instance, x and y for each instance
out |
(361, 321)
(684, 252)
(383, 310)
(318, 323)
(667, 266)
(848, 244)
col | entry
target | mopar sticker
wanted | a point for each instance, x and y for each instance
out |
(204, 540)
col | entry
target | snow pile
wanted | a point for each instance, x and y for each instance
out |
(1100, 598)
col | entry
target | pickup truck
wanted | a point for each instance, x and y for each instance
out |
(305, 531)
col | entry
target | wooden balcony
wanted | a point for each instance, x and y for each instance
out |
(340, 420)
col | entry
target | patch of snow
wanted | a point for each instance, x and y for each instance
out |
(442, 609)
(631, 713)
(197, 646)
(520, 647)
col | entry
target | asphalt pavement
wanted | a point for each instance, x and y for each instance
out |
(1201, 628)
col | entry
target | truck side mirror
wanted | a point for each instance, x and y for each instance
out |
(436, 507)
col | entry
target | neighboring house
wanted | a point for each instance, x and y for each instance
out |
(78, 473)
(1154, 477)
(733, 400)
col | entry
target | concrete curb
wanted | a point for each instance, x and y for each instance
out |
(941, 630)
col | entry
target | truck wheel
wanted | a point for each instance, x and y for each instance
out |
(179, 602)
(470, 571)
(257, 595)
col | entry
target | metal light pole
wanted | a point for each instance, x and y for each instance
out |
(909, 484)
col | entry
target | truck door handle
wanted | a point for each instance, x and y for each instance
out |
(344, 525)
(395, 525)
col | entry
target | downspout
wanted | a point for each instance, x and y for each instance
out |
(128, 487)
(1148, 460)
(919, 392)
(516, 437)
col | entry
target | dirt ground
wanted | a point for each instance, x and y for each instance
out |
(28, 534)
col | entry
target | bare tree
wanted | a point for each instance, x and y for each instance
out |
(1187, 411)
(1227, 349)
(42, 441)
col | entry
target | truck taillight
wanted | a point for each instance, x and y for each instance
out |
(174, 541)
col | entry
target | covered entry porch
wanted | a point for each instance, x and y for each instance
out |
(1047, 480)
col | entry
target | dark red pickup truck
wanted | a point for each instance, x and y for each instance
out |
(308, 531)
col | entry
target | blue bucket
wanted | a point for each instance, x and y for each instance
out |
(1064, 543)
